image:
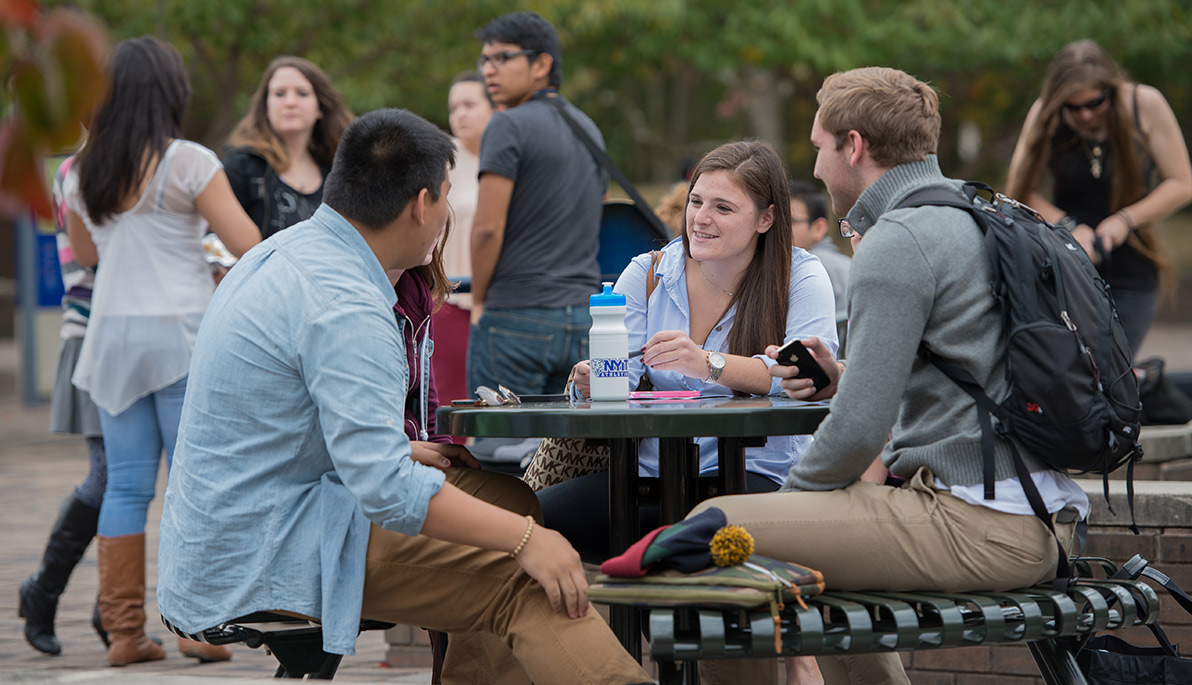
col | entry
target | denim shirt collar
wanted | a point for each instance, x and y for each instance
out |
(337, 225)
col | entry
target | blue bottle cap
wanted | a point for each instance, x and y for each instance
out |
(607, 298)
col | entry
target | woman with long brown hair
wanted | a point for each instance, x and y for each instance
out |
(281, 151)
(730, 285)
(1117, 163)
(139, 199)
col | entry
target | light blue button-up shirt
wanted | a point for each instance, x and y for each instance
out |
(291, 438)
(810, 312)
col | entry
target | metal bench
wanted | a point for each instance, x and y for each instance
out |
(859, 622)
(296, 643)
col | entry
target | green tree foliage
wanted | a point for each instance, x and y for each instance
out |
(52, 66)
(668, 79)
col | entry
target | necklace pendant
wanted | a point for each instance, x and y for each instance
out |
(1095, 168)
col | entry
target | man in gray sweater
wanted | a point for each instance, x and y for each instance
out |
(919, 275)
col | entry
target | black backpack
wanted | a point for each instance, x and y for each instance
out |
(1073, 398)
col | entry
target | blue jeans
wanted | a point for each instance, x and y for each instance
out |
(1136, 308)
(530, 351)
(134, 439)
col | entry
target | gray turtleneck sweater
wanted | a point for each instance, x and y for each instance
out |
(918, 274)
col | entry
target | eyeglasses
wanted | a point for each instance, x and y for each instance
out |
(846, 231)
(495, 398)
(1090, 105)
(500, 58)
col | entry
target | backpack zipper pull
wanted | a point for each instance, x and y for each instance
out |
(1067, 322)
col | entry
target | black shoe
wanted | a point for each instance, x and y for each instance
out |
(36, 605)
(39, 593)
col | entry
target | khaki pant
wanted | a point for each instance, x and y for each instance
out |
(486, 599)
(914, 537)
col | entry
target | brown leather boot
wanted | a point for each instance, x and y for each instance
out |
(122, 600)
(202, 651)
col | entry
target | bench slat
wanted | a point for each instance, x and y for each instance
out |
(857, 622)
(905, 633)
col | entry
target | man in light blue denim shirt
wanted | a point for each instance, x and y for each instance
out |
(294, 487)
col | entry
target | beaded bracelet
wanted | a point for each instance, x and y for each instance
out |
(1129, 222)
(525, 538)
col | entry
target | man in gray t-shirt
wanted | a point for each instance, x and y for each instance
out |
(535, 236)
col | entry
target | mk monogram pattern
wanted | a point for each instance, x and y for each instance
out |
(561, 459)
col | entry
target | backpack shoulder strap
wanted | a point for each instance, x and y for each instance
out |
(660, 230)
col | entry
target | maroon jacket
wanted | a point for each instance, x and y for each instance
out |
(414, 305)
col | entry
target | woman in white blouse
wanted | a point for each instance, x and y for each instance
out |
(140, 200)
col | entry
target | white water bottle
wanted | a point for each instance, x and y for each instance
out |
(608, 346)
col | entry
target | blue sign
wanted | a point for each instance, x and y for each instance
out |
(49, 277)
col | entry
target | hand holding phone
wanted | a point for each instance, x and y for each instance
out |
(795, 353)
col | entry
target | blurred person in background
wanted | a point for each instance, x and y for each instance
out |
(809, 230)
(139, 199)
(468, 110)
(281, 151)
(1117, 163)
(672, 207)
(71, 411)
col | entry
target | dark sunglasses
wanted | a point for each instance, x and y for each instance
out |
(495, 398)
(1090, 105)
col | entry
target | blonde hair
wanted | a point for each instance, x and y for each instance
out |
(672, 208)
(897, 114)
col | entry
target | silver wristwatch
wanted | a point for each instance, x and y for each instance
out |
(715, 367)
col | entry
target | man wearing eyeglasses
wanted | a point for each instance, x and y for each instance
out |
(921, 276)
(535, 236)
(809, 230)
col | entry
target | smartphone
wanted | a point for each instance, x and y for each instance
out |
(794, 353)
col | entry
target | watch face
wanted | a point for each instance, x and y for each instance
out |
(715, 366)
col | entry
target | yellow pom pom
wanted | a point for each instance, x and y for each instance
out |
(731, 545)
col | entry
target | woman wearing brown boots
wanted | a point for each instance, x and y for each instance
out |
(140, 199)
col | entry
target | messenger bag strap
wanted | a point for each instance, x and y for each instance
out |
(651, 276)
(660, 229)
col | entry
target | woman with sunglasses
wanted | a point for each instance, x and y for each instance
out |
(1117, 162)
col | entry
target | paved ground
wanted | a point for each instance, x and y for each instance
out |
(38, 469)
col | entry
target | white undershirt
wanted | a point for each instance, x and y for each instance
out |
(1056, 489)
